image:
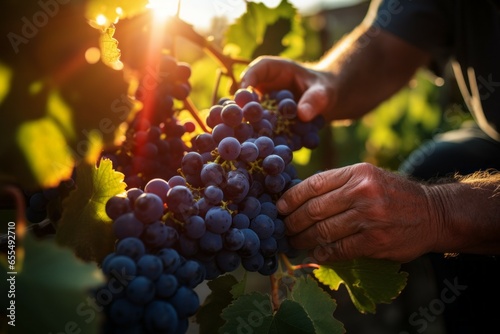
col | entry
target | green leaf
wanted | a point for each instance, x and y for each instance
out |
(224, 289)
(369, 281)
(291, 318)
(52, 291)
(263, 30)
(251, 313)
(84, 225)
(318, 305)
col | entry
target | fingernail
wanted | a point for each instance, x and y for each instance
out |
(282, 206)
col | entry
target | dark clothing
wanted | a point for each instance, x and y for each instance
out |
(468, 33)
(464, 30)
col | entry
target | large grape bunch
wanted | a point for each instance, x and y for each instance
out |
(153, 147)
(215, 215)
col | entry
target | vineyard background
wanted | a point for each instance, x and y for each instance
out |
(385, 137)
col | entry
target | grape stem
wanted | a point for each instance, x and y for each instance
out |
(189, 106)
(294, 267)
(275, 293)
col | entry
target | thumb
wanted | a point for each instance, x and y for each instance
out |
(313, 102)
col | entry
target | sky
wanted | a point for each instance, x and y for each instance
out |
(200, 12)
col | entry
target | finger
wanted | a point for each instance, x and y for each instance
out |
(316, 185)
(319, 209)
(346, 249)
(262, 73)
(327, 231)
(313, 102)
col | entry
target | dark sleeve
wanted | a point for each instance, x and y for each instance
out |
(425, 24)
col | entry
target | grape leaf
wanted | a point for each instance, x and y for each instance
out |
(318, 305)
(263, 30)
(84, 225)
(250, 313)
(51, 291)
(369, 281)
(224, 290)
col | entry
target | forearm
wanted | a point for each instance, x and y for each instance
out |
(368, 66)
(467, 214)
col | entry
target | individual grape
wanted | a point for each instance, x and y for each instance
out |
(265, 146)
(218, 220)
(192, 163)
(127, 225)
(311, 140)
(275, 183)
(228, 261)
(156, 234)
(240, 221)
(250, 207)
(249, 152)
(211, 242)
(232, 115)
(253, 263)
(171, 260)
(213, 174)
(148, 207)
(141, 290)
(213, 195)
(176, 180)
(120, 265)
(115, 206)
(268, 247)
(161, 317)
(229, 148)
(182, 72)
(269, 209)
(180, 200)
(285, 153)
(221, 131)
(190, 274)
(237, 186)
(263, 226)
(270, 266)
(284, 94)
(234, 239)
(185, 301)
(214, 116)
(211, 270)
(195, 227)
(279, 229)
(125, 313)
(158, 187)
(166, 285)
(253, 112)
(287, 108)
(251, 245)
(150, 266)
(204, 143)
(273, 164)
(243, 132)
(243, 96)
(263, 128)
(131, 247)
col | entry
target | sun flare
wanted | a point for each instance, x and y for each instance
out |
(163, 9)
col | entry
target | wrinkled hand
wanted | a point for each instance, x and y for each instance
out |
(359, 211)
(316, 88)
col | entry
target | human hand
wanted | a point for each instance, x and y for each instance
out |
(315, 88)
(359, 211)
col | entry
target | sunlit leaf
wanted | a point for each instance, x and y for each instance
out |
(318, 305)
(110, 54)
(84, 225)
(369, 282)
(263, 30)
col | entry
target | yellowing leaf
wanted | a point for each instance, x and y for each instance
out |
(84, 225)
(368, 281)
(110, 54)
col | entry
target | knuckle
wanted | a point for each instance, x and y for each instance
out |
(313, 209)
(316, 182)
(323, 233)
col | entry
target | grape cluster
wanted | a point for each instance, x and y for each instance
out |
(153, 147)
(150, 285)
(213, 214)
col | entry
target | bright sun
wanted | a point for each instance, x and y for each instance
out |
(163, 8)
